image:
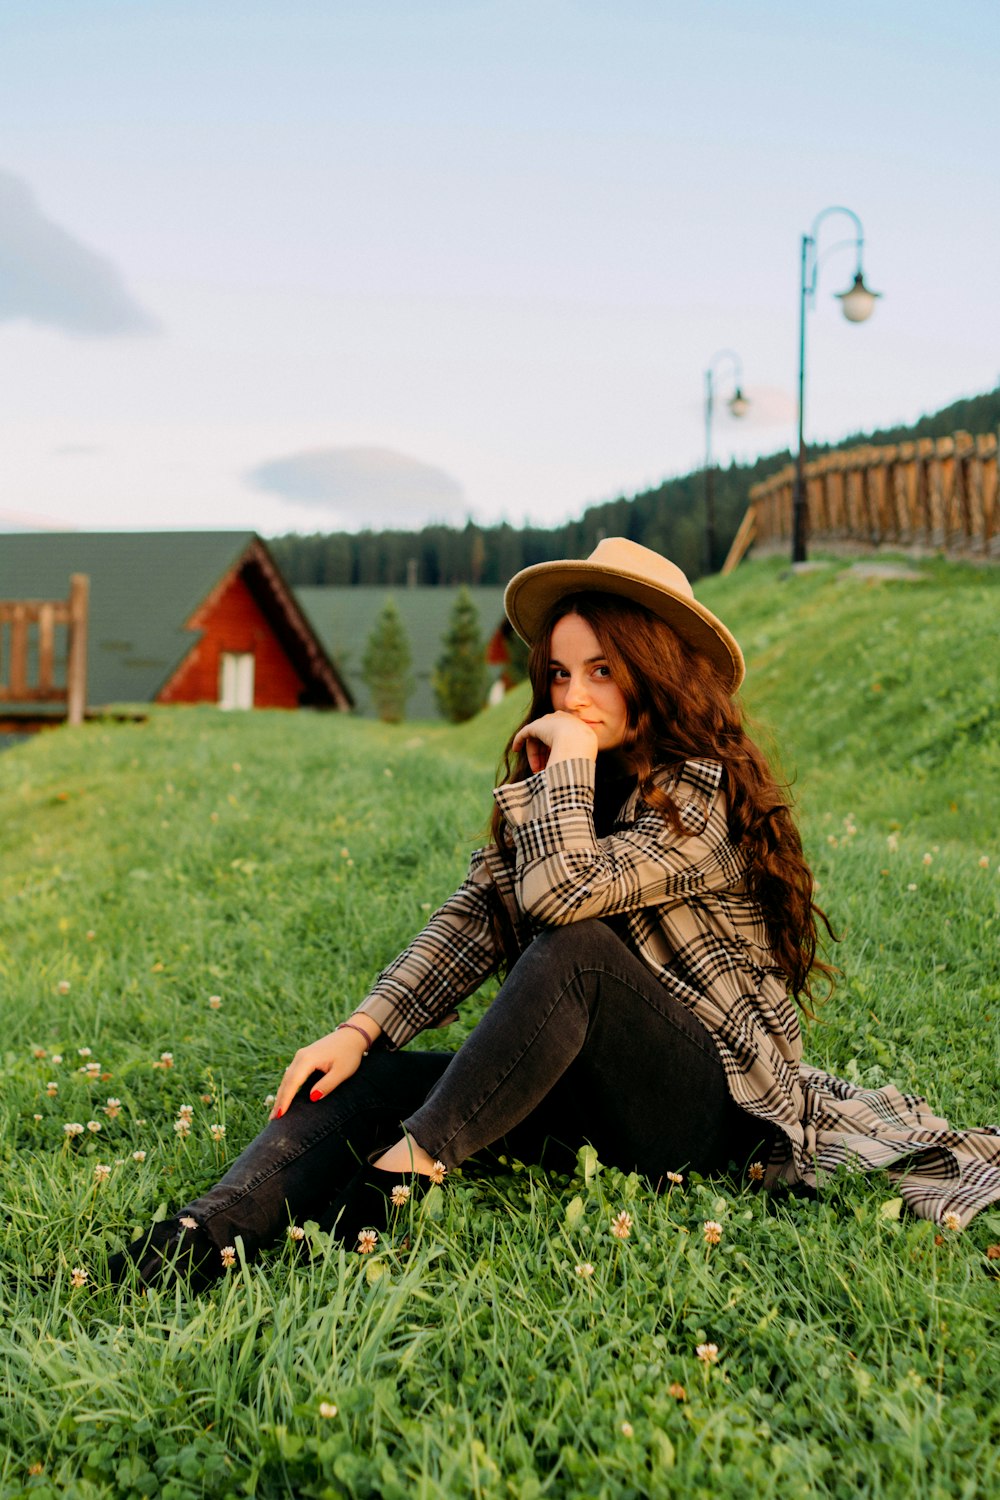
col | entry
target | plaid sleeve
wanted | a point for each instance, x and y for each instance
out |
(564, 873)
(445, 962)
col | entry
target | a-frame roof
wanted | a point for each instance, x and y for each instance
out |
(144, 587)
(345, 617)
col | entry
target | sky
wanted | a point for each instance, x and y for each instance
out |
(330, 264)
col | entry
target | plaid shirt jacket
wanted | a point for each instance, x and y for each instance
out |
(693, 921)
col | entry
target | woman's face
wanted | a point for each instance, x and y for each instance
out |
(580, 682)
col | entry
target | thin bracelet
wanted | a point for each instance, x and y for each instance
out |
(353, 1025)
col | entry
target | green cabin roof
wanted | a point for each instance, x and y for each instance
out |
(343, 618)
(144, 586)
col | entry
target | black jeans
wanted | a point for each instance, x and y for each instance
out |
(581, 1044)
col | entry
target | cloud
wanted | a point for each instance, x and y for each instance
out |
(14, 520)
(359, 487)
(48, 277)
(768, 407)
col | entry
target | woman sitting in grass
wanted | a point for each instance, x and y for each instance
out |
(645, 892)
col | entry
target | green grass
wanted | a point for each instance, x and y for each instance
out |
(277, 861)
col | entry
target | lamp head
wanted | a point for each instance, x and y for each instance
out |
(858, 302)
(738, 403)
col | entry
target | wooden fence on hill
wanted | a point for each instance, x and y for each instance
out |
(936, 493)
(22, 649)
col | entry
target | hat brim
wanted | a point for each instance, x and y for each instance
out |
(532, 593)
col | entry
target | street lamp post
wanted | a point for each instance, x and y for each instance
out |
(737, 404)
(857, 304)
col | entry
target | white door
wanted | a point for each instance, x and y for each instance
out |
(236, 679)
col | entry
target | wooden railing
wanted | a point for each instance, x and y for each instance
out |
(28, 639)
(933, 493)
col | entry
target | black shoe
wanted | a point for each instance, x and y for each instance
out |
(370, 1201)
(172, 1249)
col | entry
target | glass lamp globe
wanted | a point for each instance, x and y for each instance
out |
(858, 302)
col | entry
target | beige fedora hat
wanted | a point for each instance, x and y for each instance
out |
(618, 566)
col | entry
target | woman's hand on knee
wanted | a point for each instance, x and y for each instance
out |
(337, 1056)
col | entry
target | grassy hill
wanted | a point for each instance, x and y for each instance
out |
(276, 861)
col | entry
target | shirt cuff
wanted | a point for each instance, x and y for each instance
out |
(569, 783)
(386, 1013)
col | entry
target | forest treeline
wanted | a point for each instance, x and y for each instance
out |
(669, 518)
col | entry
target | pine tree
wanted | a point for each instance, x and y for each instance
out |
(386, 663)
(460, 678)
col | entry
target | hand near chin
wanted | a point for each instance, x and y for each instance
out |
(555, 737)
(538, 754)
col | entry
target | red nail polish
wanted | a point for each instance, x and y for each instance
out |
(278, 1113)
(315, 1095)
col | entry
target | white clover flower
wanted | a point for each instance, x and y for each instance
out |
(712, 1230)
(675, 1178)
(228, 1253)
(139, 1156)
(214, 1002)
(84, 1052)
(621, 1225)
(437, 1173)
(93, 1126)
(627, 1429)
(79, 1277)
(399, 1195)
(52, 1088)
(73, 1128)
(953, 1222)
(755, 1171)
(113, 1108)
(185, 1111)
(101, 1172)
(56, 1058)
(167, 1059)
(218, 1132)
(296, 1232)
(63, 986)
(327, 1409)
(707, 1353)
(366, 1241)
(585, 1269)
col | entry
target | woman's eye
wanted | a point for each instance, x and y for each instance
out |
(602, 671)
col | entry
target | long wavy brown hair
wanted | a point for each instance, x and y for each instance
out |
(679, 708)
